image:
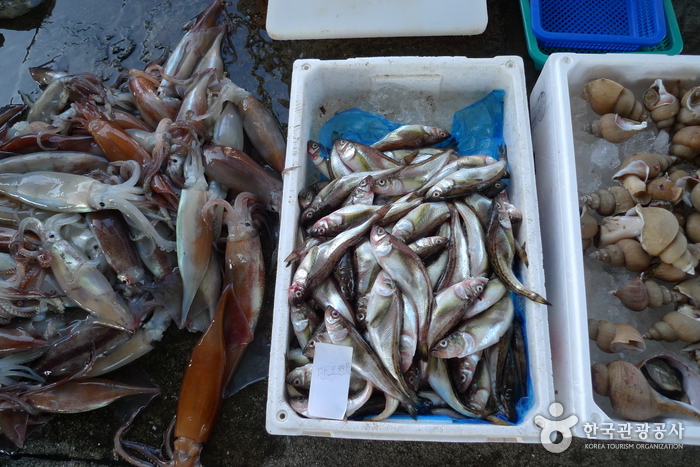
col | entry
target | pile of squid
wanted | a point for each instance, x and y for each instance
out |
(649, 224)
(125, 208)
(406, 254)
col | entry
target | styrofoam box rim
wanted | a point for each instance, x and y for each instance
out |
(553, 143)
(315, 84)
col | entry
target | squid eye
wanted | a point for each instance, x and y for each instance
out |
(52, 236)
(102, 204)
(247, 224)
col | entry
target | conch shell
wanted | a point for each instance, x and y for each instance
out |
(607, 96)
(686, 142)
(609, 201)
(689, 112)
(665, 272)
(630, 394)
(589, 227)
(662, 105)
(692, 227)
(637, 168)
(663, 189)
(675, 326)
(615, 337)
(689, 291)
(614, 128)
(658, 232)
(672, 378)
(638, 295)
(627, 253)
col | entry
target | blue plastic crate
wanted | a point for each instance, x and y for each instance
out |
(612, 25)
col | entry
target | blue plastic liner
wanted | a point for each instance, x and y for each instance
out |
(476, 129)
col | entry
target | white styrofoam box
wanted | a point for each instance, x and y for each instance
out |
(409, 90)
(329, 19)
(568, 163)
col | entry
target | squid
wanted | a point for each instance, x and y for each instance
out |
(62, 192)
(79, 278)
(201, 390)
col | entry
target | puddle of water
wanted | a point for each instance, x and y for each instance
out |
(107, 38)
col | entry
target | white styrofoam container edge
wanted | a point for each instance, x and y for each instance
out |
(322, 88)
(563, 76)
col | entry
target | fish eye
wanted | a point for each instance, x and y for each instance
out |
(311, 344)
(298, 294)
(442, 343)
(479, 288)
(334, 313)
(296, 382)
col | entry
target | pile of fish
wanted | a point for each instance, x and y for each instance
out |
(124, 208)
(406, 254)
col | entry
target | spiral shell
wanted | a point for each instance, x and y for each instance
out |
(692, 227)
(689, 112)
(675, 326)
(638, 294)
(686, 142)
(689, 291)
(665, 272)
(663, 189)
(631, 395)
(607, 96)
(627, 253)
(589, 227)
(615, 337)
(609, 201)
(655, 163)
(614, 128)
(662, 105)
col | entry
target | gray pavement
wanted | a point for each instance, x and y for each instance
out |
(108, 37)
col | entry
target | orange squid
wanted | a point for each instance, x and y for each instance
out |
(201, 391)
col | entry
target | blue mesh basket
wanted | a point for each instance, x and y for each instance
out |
(612, 25)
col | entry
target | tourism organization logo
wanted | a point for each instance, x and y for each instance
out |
(641, 431)
(549, 427)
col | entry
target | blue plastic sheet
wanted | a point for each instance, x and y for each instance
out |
(476, 129)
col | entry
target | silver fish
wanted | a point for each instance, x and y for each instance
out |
(411, 136)
(450, 305)
(366, 363)
(500, 246)
(477, 333)
(466, 181)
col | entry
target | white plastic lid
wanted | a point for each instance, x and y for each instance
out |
(334, 19)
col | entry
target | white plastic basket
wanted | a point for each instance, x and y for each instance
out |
(435, 87)
(557, 122)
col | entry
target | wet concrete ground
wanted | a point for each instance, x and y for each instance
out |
(108, 37)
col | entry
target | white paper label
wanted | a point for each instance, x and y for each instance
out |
(330, 381)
